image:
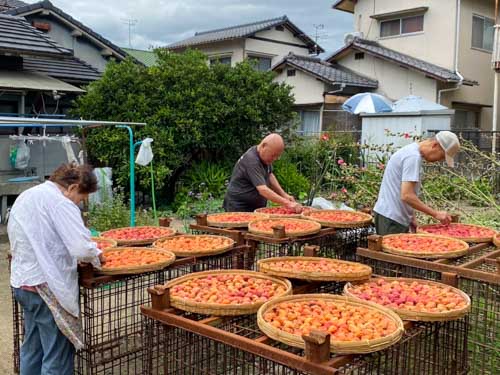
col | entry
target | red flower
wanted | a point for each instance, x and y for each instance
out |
(344, 190)
(325, 137)
(406, 135)
(380, 166)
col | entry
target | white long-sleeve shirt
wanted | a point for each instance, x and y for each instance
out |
(47, 238)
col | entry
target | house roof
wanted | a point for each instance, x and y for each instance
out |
(9, 4)
(327, 72)
(69, 69)
(148, 58)
(244, 31)
(375, 49)
(344, 5)
(18, 36)
(47, 5)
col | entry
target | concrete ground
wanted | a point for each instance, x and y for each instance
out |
(6, 340)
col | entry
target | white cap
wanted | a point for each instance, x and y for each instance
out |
(450, 144)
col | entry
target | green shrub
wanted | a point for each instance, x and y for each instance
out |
(207, 177)
(112, 213)
(290, 179)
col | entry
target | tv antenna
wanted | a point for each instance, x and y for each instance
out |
(131, 22)
(317, 28)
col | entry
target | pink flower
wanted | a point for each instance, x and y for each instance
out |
(406, 135)
(340, 162)
(344, 190)
(325, 137)
(381, 166)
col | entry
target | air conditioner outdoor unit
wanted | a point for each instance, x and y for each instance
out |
(349, 37)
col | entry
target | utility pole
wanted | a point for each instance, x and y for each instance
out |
(317, 27)
(131, 22)
(496, 68)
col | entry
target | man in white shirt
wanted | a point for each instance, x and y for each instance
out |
(48, 238)
(398, 196)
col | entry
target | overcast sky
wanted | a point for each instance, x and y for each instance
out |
(160, 22)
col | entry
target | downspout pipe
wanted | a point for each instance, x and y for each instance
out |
(457, 45)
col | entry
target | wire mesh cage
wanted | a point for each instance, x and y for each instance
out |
(110, 312)
(426, 348)
(483, 287)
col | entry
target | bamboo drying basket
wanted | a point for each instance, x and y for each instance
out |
(164, 244)
(238, 224)
(279, 221)
(340, 347)
(218, 309)
(496, 239)
(264, 265)
(146, 241)
(271, 215)
(426, 255)
(113, 243)
(137, 269)
(366, 219)
(406, 314)
(422, 229)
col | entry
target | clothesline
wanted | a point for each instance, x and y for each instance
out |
(56, 138)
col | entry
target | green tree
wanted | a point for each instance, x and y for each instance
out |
(194, 111)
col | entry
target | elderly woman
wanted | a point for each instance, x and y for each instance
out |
(48, 238)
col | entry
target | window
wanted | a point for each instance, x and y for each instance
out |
(359, 56)
(466, 119)
(261, 64)
(220, 60)
(309, 122)
(402, 26)
(290, 73)
(482, 32)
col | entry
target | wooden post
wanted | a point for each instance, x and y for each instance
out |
(375, 242)
(160, 297)
(164, 221)
(279, 231)
(455, 218)
(498, 265)
(311, 251)
(450, 279)
(201, 219)
(317, 346)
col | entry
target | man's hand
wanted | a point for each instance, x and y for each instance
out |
(289, 197)
(295, 206)
(443, 217)
(413, 225)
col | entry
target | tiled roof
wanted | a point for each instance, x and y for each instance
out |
(69, 69)
(18, 36)
(148, 58)
(49, 6)
(327, 72)
(243, 31)
(9, 4)
(374, 48)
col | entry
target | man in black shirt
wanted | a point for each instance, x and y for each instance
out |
(253, 183)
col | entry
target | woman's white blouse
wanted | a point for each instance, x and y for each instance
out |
(48, 238)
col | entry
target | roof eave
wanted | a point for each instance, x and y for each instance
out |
(344, 6)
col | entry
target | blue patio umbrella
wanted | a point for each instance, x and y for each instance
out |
(367, 102)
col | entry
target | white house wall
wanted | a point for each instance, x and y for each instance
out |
(233, 48)
(395, 82)
(435, 44)
(305, 88)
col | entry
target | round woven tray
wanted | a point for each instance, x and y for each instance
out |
(279, 221)
(429, 255)
(271, 215)
(238, 224)
(218, 309)
(137, 269)
(168, 244)
(341, 347)
(146, 241)
(365, 221)
(496, 240)
(420, 315)
(265, 265)
(422, 229)
(113, 243)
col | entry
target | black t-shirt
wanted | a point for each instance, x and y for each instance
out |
(248, 173)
